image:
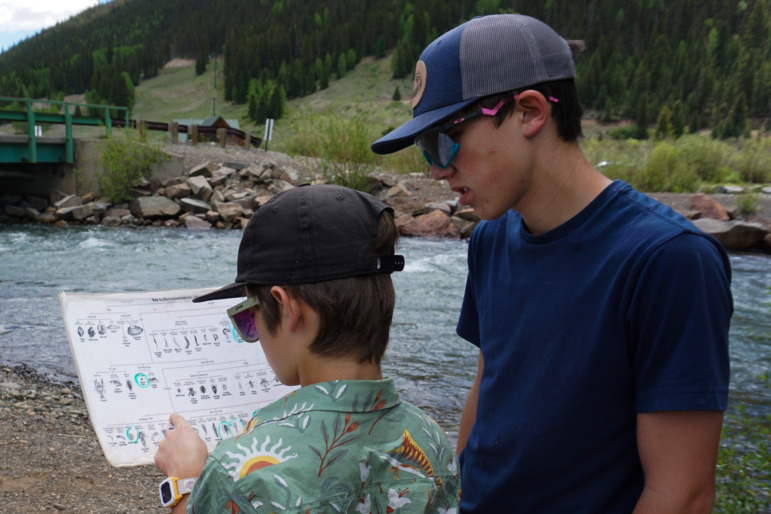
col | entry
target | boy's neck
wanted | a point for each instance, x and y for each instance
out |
(325, 369)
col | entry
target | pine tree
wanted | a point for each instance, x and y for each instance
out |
(641, 132)
(252, 107)
(262, 109)
(200, 64)
(341, 62)
(397, 95)
(664, 128)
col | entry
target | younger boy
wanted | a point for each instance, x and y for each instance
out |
(315, 264)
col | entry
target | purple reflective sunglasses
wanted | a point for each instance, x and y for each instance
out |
(242, 318)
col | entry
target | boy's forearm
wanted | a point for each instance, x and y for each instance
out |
(469, 415)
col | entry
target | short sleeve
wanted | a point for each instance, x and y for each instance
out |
(215, 491)
(678, 327)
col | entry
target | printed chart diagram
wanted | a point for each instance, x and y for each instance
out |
(142, 356)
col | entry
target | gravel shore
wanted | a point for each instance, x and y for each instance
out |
(50, 460)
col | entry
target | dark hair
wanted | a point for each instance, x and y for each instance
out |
(355, 313)
(567, 111)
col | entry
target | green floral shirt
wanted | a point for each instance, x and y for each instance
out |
(344, 446)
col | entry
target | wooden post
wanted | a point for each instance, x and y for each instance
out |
(193, 134)
(222, 136)
(174, 132)
(247, 140)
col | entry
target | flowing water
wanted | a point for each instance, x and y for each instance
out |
(433, 367)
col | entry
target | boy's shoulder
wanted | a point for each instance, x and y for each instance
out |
(343, 437)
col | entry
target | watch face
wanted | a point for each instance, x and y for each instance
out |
(167, 495)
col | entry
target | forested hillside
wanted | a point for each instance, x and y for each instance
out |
(704, 63)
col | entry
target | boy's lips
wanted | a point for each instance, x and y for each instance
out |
(463, 191)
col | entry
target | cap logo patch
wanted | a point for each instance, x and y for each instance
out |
(419, 85)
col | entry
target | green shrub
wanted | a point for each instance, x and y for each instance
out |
(124, 163)
(683, 165)
(748, 203)
(706, 156)
(752, 161)
(408, 160)
(340, 145)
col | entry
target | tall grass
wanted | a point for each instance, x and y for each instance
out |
(340, 147)
(683, 165)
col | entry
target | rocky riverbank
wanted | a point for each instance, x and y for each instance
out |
(50, 459)
(222, 187)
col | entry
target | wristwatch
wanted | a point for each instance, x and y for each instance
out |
(173, 488)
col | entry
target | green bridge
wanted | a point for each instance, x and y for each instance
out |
(33, 148)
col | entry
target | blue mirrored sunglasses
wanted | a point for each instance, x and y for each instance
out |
(242, 317)
(439, 148)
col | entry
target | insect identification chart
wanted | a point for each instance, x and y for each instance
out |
(142, 356)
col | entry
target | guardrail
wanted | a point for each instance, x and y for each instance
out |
(29, 116)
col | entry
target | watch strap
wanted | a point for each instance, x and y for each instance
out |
(172, 489)
(185, 485)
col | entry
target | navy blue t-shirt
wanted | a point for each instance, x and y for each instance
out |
(623, 309)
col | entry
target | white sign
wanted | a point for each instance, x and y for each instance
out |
(142, 356)
(268, 129)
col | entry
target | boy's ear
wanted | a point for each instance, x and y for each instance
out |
(534, 111)
(291, 308)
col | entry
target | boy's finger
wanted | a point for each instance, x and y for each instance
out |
(178, 420)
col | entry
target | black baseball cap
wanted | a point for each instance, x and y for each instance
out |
(310, 234)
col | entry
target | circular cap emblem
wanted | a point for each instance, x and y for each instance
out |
(419, 85)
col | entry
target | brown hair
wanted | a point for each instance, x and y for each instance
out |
(355, 313)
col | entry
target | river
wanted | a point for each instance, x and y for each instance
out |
(433, 367)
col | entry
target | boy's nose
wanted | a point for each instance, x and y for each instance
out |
(438, 173)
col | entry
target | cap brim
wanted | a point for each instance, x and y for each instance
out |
(232, 291)
(404, 136)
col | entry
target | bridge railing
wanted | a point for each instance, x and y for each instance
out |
(32, 118)
(27, 114)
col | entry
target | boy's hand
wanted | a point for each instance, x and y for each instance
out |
(182, 453)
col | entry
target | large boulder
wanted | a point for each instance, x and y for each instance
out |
(707, 207)
(177, 191)
(229, 211)
(154, 207)
(195, 223)
(200, 187)
(85, 211)
(203, 170)
(733, 235)
(433, 224)
(194, 205)
(69, 201)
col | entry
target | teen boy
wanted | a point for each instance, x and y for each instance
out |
(600, 315)
(315, 263)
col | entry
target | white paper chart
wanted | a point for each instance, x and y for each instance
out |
(142, 356)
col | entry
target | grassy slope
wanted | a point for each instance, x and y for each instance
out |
(177, 93)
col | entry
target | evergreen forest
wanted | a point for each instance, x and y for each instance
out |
(700, 63)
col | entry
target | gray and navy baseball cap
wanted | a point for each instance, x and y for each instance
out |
(484, 56)
(310, 234)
